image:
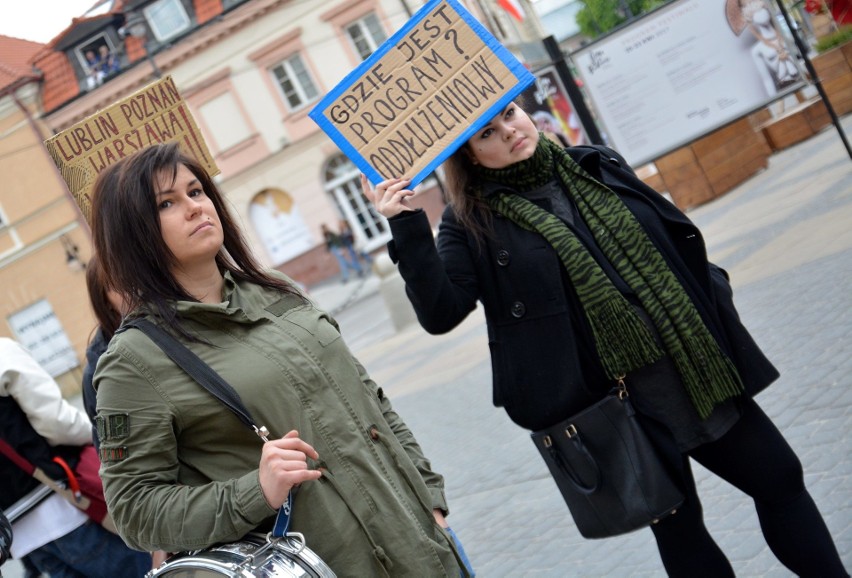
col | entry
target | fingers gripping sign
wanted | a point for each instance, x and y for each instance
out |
(390, 197)
(283, 465)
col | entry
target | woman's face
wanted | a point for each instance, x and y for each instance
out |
(510, 137)
(188, 220)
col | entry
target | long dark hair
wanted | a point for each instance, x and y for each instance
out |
(129, 242)
(108, 318)
(463, 194)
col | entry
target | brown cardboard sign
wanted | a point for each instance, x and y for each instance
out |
(422, 94)
(153, 115)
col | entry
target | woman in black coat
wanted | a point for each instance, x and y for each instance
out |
(587, 274)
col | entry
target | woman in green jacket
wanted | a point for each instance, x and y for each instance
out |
(181, 472)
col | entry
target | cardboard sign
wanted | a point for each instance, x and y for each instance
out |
(421, 95)
(153, 115)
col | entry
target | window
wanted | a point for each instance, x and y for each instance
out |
(167, 18)
(39, 330)
(98, 60)
(295, 82)
(225, 134)
(366, 35)
(343, 182)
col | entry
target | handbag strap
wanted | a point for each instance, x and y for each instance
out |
(216, 385)
(199, 371)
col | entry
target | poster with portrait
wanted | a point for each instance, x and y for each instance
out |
(550, 107)
(685, 70)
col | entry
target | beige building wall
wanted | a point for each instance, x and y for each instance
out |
(38, 224)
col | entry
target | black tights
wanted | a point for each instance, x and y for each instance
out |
(754, 457)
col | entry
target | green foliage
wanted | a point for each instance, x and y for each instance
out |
(600, 16)
(834, 39)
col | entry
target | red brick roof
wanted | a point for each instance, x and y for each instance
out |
(207, 10)
(60, 84)
(15, 55)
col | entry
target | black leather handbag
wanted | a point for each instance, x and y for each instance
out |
(607, 468)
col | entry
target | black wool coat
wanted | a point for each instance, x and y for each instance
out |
(543, 362)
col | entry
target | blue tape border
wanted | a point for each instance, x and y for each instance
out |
(524, 79)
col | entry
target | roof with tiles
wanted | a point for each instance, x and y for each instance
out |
(15, 56)
(60, 83)
(206, 10)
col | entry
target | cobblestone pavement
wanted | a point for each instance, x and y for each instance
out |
(785, 236)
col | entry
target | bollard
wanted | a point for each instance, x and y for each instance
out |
(392, 289)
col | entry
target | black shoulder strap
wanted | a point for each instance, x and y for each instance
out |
(198, 370)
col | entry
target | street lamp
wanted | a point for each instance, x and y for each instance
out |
(72, 255)
(136, 26)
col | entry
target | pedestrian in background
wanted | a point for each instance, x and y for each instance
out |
(56, 537)
(107, 306)
(350, 244)
(587, 275)
(346, 260)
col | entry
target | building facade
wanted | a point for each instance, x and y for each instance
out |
(250, 70)
(43, 246)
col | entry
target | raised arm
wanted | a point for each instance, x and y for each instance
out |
(441, 281)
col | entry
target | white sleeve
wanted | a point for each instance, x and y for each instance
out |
(39, 396)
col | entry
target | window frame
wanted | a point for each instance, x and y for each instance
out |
(7, 228)
(92, 42)
(370, 228)
(293, 77)
(152, 22)
(366, 33)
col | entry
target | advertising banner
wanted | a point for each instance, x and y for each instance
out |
(684, 70)
(154, 114)
(548, 104)
(421, 95)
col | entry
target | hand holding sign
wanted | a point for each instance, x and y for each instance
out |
(422, 94)
(389, 197)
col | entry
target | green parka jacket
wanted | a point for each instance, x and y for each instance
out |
(180, 471)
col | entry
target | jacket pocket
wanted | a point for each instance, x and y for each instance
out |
(318, 326)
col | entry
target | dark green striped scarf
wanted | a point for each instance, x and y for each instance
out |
(622, 340)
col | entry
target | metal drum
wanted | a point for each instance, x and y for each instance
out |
(255, 556)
